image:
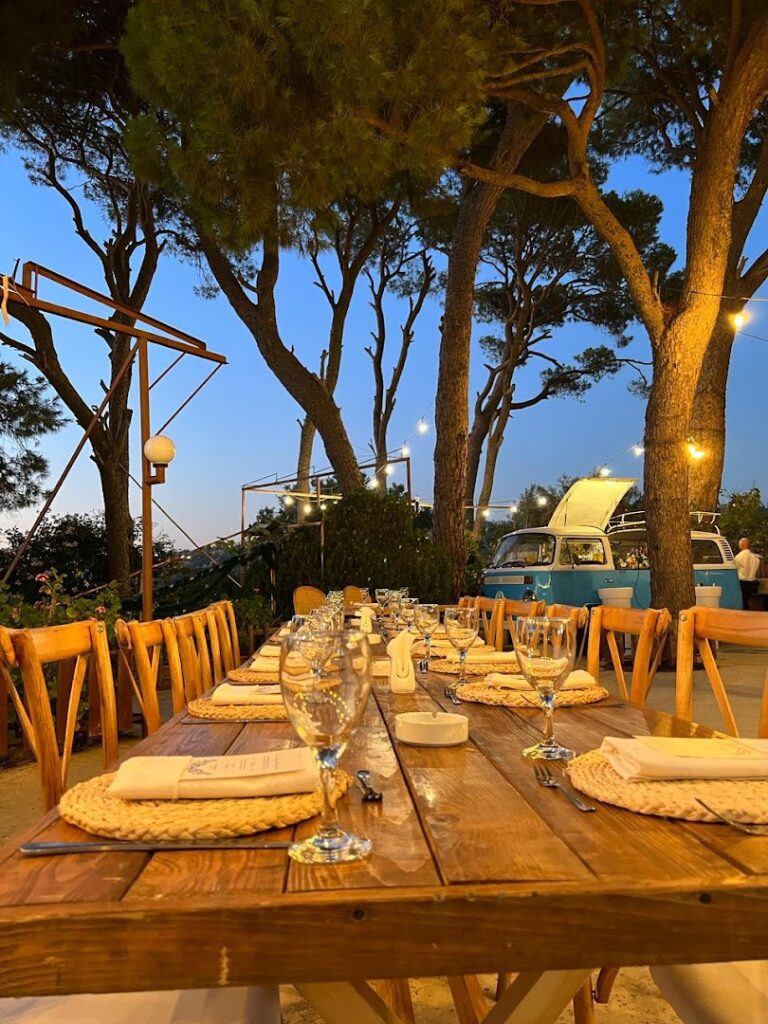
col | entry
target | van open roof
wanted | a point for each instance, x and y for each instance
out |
(591, 501)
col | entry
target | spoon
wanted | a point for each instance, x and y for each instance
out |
(370, 795)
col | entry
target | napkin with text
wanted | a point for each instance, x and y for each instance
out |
(578, 680)
(672, 757)
(266, 693)
(274, 773)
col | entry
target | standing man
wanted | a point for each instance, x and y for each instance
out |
(747, 566)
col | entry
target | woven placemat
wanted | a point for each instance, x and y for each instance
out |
(89, 806)
(204, 708)
(483, 693)
(476, 668)
(746, 800)
(247, 675)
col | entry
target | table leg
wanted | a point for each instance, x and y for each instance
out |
(347, 1002)
(471, 1005)
(537, 998)
(396, 993)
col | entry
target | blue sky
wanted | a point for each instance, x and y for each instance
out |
(243, 425)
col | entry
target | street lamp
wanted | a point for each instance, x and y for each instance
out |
(160, 451)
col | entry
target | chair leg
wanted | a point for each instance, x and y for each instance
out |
(605, 982)
(583, 1005)
(396, 993)
(503, 981)
(468, 999)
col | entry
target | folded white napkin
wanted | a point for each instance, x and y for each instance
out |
(263, 663)
(402, 678)
(231, 693)
(670, 757)
(578, 680)
(268, 651)
(366, 619)
(203, 778)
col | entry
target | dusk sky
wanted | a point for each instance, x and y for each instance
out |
(243, 425)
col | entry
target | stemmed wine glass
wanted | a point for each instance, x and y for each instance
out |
(325, 708)
(461, 626)
(408, 611)
(427, 619)
(545, 651)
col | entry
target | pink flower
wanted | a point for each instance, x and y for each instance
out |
(101, 610)
(42, 577)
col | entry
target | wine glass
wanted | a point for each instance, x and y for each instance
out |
(297, 622)
(427, 619)
(545, 651)
(461, 626)
(395, 598)
(382, 597)
(408, 611)
(365, 595)
(325, 708)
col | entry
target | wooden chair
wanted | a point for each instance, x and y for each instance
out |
(8, 689)
(490, 611)
(229, 640)
(141, 646)
(711, 992)
(305, 599)
(699, 627)
(579, 617)
(198, 639)
(353, 595)
(76, 648)
(650, 626)
(514, 610)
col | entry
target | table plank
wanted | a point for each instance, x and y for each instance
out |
(480, 828)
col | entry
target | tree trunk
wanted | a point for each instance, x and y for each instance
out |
(708, 420)
(304, 463)
(118, 522)
(452, 400)
(667, 421)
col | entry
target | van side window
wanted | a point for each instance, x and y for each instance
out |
(706, 552)
(582, 552)
(630, 553)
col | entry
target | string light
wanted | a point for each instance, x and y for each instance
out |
(513, 509)
(389, 469)
(637, 450)
(739, 319)
(542, 500)
(307, 508)
(373, 483)
(323, 507)
(288, 500)
(422, 426)
(604, 471)
(405, 451)
(486, 513)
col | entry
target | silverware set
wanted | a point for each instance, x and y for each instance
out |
(545, 778)
(756, 829)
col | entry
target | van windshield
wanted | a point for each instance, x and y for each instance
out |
(523, 550)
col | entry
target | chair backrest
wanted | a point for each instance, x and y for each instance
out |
(229, 640)
(352, 595)
(512, 610)
(490, 612)
(699, 627)
(141, 646)
(578, 616)
(8, 668)
(199, 650)
(307, 598)
(650, 626)
(76, 648)
(468, 601)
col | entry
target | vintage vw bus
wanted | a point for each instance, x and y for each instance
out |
(583, 551)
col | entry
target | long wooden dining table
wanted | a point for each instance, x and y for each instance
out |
(475, 869)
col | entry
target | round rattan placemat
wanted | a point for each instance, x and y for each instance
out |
(247, 675)
(204, 708)
(478, 668)
(483, 693)
(746, 800)
(90, 806)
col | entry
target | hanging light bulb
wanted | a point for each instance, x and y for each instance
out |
(323, 507)
(637, 449)
(307, 508)
(604, 471)
(541, 500)
(694, 450)
(288, 500)
(486, 513)
(422, 426)
(738, 320)
(389, 469)
(405, 451)
(513, 509)
(373, 483)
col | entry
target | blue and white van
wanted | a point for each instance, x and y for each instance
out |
(583, 551)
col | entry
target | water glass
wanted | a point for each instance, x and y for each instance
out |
(365, 595)
(426, 620)
(461, 626)
(325, 708)
(297, 623)
(408, 611)
(545, 651)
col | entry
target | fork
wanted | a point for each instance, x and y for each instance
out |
(750, 830)
(544, 777)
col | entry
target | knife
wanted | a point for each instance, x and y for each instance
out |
(52, 849)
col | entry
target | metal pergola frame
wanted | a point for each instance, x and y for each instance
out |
(169, 337)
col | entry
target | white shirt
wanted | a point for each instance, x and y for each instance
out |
(747, 564)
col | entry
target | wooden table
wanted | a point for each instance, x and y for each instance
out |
(475, 869)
